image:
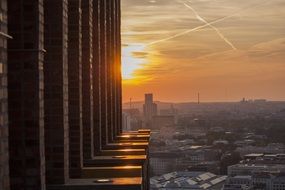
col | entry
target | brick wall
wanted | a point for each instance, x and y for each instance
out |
(4, 158)
(56, 91)
(25, 90)
(75, 88)
(87, 84)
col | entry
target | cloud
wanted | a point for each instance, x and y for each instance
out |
(272, 49)
(139, 54)
(201, 57)
(210, 25)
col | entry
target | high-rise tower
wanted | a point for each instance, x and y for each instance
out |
(149, 109)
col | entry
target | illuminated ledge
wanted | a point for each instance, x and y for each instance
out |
(119, 152)
(135, 133)
(130, 140)
(134, 183)
(134, 145)
(116, 160)
(130, 131)
(144, 131)
(111, 172)
(140, 131)
(141, 137)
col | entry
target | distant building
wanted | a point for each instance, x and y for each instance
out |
(133, 112)
(221, 142)
(244, 181)
(163, 162)
(132, 119)
(187, 180)
(208, 166)
(196, 128)
(149, 109)
(236, 187)
(200, 158)
(249, 169)
(260, 181)
(126, 122)
(257, 171)
(278, 182)
(273, 148)
(161, 121)
(170, 112)
(260, 101)
(264, 159)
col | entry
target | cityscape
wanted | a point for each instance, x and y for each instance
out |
(207, 77)
(142, 95)
(226, 145)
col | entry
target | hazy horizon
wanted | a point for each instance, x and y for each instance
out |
(224, 49)
(186, 102)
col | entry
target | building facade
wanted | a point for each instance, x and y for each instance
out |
(4, 152)
(161, 121)
(56, 91)
(61, 110)
(26, 94)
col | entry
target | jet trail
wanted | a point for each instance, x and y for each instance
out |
(203, 26)
(213, 27)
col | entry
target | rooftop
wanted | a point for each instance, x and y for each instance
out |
(187, 180)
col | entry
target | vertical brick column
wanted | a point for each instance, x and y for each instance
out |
(25, 90)
(119, 73)
(87, 84)
(116, 67)
(4, 152)
(56, 91)
(97, 78)
(113, 67)
(75, 88)
(103, 73)
(109, 69)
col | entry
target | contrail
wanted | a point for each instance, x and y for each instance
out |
(202, 26)
(213, 27)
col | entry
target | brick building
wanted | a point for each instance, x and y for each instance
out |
(4, 154)
(61, 110)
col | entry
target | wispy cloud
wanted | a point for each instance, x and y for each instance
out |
(178, 56)
(205, 25)
(213, 27)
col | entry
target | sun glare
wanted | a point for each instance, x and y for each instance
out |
(133, 58)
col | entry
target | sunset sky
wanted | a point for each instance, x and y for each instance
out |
(224, 49)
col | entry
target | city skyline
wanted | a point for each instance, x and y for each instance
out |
(63, 123)
(225, 50)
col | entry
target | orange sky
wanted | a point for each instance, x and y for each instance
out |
(224, 49)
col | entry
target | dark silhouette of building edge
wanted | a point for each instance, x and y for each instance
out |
(61, 91)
